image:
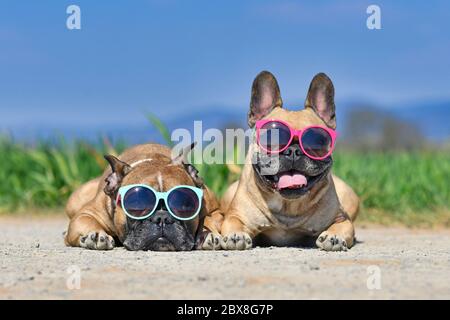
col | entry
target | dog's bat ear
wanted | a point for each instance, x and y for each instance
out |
(118, 166)
(193, 172)
(321, 99)
(119, 170)
(265, 97)
(180, 158)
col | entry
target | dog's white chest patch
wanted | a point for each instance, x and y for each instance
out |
(275, 204)
(283, 219)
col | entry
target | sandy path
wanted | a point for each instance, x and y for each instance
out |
(34, 263)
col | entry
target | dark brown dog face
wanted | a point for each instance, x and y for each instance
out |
(161, 231)
(291, 164)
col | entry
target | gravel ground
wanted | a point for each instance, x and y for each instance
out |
(35, 264)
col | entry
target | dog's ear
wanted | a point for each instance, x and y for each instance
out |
(119, 170)
(181, 156)
(321, 99)
(181, 159)
(193, 172)
(265, 97)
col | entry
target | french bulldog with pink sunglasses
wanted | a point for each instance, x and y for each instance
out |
(287, 195)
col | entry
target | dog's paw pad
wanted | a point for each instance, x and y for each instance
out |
(97, 241)
(211, 241)
(237, 241)
(331, 242)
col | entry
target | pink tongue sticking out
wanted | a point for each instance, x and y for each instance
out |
(292, 182)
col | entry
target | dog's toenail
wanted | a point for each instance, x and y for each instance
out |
(225, 239)
(102, 239)
(93, 236)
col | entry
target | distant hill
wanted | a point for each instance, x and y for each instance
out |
(432, 118)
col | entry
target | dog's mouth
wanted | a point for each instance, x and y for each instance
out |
(162, 244)
(154, 244)
(292, 183)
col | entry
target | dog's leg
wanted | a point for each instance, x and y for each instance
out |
(338, 237)
(86, 232)
(210, 238)
(81, 197)
(347, 198)
(235, 235)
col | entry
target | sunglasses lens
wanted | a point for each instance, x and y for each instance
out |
(274, 136)
(139, 201)
(316, 142)
(183, 202)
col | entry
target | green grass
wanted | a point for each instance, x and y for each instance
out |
(44, 175)
(409, 188)
(397, 181)
(401, 186)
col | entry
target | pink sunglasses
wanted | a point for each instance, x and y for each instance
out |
(275, 136)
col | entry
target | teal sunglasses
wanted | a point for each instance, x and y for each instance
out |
(140, 201)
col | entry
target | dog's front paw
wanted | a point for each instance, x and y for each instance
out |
(236, 241)
(208, 241)
(97, 241)
(331, 242)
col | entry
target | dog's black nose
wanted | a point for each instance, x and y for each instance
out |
(293, 151)
(161, 218)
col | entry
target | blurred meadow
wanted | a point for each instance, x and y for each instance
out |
(409, 187)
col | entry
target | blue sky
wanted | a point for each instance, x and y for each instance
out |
(172, 57)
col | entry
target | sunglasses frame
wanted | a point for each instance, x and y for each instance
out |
(295, 133)
(159, 196)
